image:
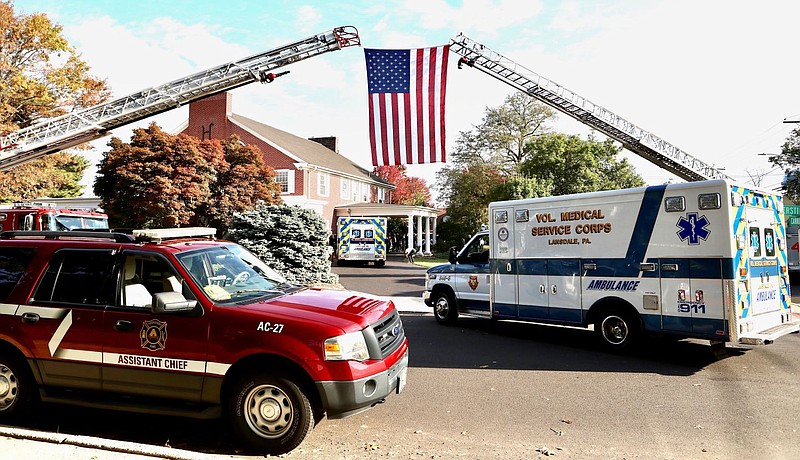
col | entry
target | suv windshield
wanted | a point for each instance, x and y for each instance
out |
(231, 274)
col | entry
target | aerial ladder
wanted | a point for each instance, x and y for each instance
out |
(633, 138)
(75, 128)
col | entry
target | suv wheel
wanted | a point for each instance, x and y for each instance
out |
(16, 389)
(271, 414)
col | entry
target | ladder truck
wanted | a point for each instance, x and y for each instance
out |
(635, 139)
(59, 133)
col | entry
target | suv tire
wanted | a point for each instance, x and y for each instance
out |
(17, 392)
(271, 414)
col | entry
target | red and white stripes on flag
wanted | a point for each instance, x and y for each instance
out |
(406, 104)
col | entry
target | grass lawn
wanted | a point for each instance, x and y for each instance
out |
(429, 262)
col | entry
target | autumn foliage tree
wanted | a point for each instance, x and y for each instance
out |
(43, 76)
(54, 176)
(162, 180)
(410, 190)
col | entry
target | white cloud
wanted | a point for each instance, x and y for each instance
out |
(308, 19)
(480, 16)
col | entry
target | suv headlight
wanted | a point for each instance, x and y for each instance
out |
(347, 346)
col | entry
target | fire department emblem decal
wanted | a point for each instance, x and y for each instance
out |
(473, 282)
(154, 334)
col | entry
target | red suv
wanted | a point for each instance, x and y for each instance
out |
(171, 321)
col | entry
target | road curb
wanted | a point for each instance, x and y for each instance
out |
(90, 442)
(410, 304)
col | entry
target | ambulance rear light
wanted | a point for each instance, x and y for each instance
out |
(740, 242)
(681, 295)
(742, 271)
(698, 296)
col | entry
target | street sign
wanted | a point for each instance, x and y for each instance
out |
(794, 221)
(791, 210)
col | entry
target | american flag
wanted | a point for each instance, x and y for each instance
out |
(406, 104)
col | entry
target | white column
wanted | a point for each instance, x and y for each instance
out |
(433, 236)
(419, 233)
(410, 231)
(427, 236)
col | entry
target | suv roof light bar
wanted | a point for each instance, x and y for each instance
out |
(157, 235)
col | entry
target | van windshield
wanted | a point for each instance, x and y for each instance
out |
(232, 274)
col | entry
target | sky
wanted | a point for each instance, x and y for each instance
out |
(717, 79)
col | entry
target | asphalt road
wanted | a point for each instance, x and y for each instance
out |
(486, 390)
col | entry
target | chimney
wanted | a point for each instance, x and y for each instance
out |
(331, 142)
(208, 117)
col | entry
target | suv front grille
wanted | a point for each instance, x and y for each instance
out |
(388, 334)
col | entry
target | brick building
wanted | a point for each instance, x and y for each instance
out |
(311, 172)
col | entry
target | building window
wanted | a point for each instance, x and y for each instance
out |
(345, 192)
(323, 183)
(360, 192)
(285, 178)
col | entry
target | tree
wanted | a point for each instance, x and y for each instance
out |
(409, 190)
(789, 160)
(486, 165)
(161, 180)
(573, 165)
(43, 76)
(55, 176)
(242, 182)
(501, 137)
(539, 164)
(467, 193)
(290, 239)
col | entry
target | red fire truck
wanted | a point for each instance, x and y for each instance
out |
(45, 216)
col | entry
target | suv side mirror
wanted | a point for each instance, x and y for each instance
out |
(451, 255)
(170, 302)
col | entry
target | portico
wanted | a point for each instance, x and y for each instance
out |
(421, 220)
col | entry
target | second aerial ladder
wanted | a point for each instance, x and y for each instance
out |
(635, 139)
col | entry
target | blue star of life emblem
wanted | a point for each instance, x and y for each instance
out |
(768, 242)
(693, 228)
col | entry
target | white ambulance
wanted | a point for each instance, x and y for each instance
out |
(695, 260)
(361, 240)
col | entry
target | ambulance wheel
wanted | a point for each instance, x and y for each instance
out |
(380, 263)
(616, 329)
(17, 392)
(445, 309)
(271, 414)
